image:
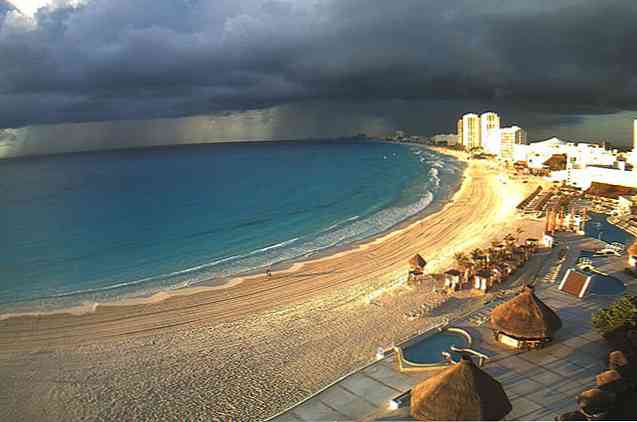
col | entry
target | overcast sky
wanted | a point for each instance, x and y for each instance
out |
(254, 69)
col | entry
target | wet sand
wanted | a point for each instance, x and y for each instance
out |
(255, 346)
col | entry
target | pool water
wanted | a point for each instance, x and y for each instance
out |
(606, 285)
(599, 228)
(603, 285)
(429, 349)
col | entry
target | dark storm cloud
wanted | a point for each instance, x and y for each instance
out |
(117, 59)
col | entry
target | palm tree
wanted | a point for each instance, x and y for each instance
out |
(490, 255)
(510, 241)
(518, 232)
(465, 264)
(495, 247)
(476, 256)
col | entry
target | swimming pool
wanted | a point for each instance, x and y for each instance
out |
(429, 350)
(605, 285)
(598, 227)
(600, 284)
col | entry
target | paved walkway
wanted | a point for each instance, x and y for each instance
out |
(541, 384)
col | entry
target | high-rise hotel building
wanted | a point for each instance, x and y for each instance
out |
(510, 136)
(469, 131)
(480, 132)
(632, 157)
(490, 133)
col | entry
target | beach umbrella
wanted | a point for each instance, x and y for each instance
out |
(607, 377)
(417, 262)
(632, 249)
(461, 392)
(617, 360)
(595, 403)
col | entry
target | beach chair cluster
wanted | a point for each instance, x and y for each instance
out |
(425, 309)
(482, 316)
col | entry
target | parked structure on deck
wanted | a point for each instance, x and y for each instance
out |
(460, 392)
(525, 321)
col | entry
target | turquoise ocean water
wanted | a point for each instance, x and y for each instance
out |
(95, 227)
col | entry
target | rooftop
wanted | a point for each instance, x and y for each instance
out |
(610, 191)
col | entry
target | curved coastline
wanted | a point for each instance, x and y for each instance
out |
(253, 349)
(281, 267)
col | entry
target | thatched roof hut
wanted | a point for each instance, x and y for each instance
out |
(607, 190)
(417, 263)
(632, 249)
(556, 162)
(460, 392)
(607, 377)
(612, 381)
(595, 403)
(525, 317)
(617, 359)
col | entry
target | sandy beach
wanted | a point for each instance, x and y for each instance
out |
(257, 345)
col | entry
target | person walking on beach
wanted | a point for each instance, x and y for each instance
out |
(268, 271)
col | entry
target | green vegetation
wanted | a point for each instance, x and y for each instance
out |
(620, 315)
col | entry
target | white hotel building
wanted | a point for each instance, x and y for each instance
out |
(469, 131)
(490, 133)
(484, 132)
(585, 163)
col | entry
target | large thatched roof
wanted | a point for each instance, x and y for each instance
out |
(595, 402)
(525, 316)
(461, 392)
(417, 262)
(607, 190)
(632, 249)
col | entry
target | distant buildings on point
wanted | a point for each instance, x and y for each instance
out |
(574, 164)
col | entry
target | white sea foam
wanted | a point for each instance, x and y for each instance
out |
(340, 223)
(173, 274)
(345, 231)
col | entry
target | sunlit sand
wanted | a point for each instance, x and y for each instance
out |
(258, 344)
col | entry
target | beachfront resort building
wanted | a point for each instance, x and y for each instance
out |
(490, 133)
(484, 132)
(469, 131)
(450, 139)
(578, 155)
(576, 164)
(509, 138)
(632, 157)
(585, 178)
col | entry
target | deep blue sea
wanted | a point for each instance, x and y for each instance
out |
(94, 227)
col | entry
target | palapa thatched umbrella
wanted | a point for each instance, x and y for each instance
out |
(460, 392)
(417, 263)
(524, 321)
(607, 377)
(595, 403)
(612, 381)
(632, 249)
(617, 359)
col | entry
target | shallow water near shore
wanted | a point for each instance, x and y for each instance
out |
(97, 227)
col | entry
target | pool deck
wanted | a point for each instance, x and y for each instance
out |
(541, 384)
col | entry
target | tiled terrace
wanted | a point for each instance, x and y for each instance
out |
(541, 384)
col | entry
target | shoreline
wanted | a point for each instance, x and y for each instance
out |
(251, 350)
(283, 267)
